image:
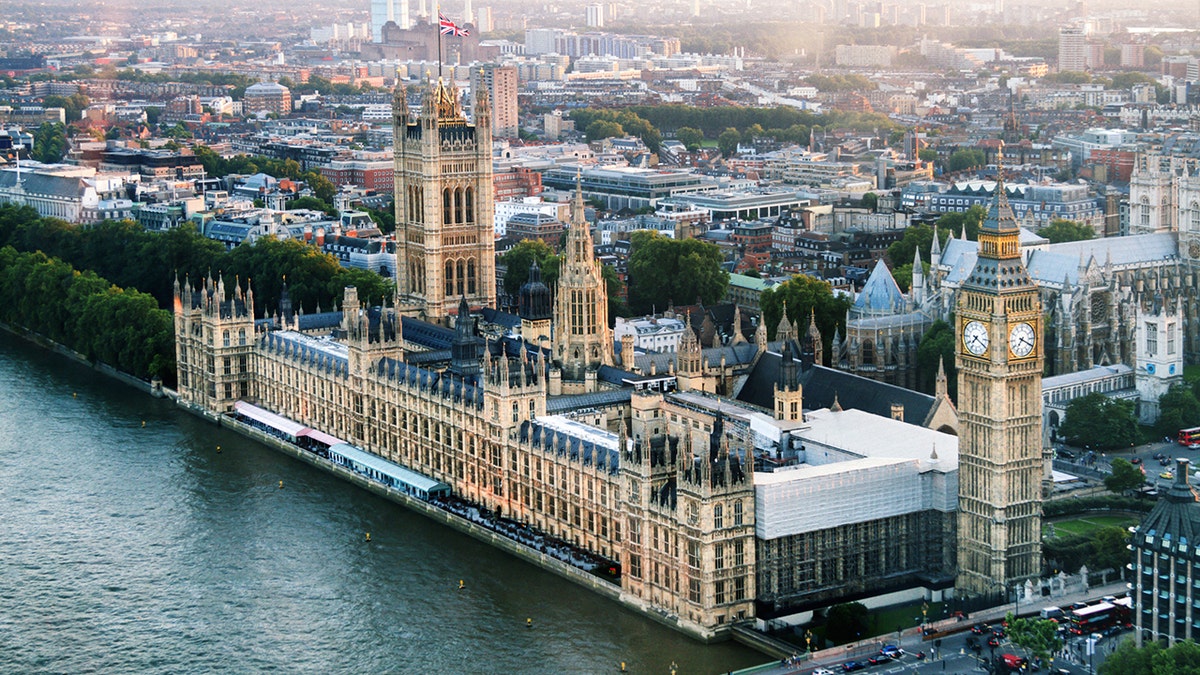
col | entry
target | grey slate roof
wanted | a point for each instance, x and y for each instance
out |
(562, 404)
(821, 385)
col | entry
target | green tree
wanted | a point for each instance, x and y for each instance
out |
(869, 200)
(322, 187)
(49, 142)
(927, 155)
(1109, 548)
(955, 221)
(728, 141)
(1183, 658)
(1179, 408)
(965, 158)
(1099, 422)
(903, 275)
(73, 105)
(1038, 636)
(691, 137)
(519, 258)
(916, 238)
(663, 271)
(384, 218)
(603, 129)
(615, 289)
(1129, 659)
(936, 350)
(847, 622)
(1124, 477)
(804, 296)
(1060, 230)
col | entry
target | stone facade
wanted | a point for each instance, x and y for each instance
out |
(445, 242)
(1000, 407)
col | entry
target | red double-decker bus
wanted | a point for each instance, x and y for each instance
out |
(1190, 438)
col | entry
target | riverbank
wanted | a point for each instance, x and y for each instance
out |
(541, 559)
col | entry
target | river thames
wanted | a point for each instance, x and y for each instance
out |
(142, 549)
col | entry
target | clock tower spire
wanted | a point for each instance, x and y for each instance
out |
(1000, 408)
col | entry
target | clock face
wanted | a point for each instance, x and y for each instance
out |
(1021, 340)
(975, 337)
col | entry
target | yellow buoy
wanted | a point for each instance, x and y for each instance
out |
(74, 395)
(143, 424)
(461, 585)
(218, 448)
(280, 485)
(368, 536)
(529, 623)
(622, 666)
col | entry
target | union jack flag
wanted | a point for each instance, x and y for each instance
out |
(448, 27)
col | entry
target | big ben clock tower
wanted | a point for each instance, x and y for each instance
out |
(1000, 412)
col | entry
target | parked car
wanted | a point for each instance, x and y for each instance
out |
(851, 666)
(822, 671)
(891, 651)
(1135, 461)
(1065, 454)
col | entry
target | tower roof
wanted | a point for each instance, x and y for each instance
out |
(880, 295)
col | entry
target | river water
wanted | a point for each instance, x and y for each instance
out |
(142, 549)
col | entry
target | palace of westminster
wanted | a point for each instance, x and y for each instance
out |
(731, 482)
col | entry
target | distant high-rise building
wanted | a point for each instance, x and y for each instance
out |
(484, 22)
(595, 16)
(1072, 49)
(1133, 55)
(501, 84)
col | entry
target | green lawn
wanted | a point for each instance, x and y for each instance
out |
(887, 619)
(1087, 525)
(1191, 373)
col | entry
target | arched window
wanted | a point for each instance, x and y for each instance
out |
(1145, 212)
(868, 352)
(471, 276)
(469, 198)
(458, 205)
(460, 277)
(446, 207)
(1195, 224)
(449, 277)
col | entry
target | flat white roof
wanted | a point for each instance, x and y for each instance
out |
(866, 435)
(601, 437)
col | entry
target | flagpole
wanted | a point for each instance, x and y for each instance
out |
(438, 7)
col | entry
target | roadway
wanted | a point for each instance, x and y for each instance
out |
(953, 656)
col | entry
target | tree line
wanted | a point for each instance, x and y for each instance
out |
(150, 261)
(123, 328)
(782, 123)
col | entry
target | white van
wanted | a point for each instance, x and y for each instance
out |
(1051, 613)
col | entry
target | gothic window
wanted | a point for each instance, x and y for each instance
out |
(446, 207)
(719, 556)
(1145, 212)
(469, 204)
(459, 277)
(241, 336)
(1151, 339)
(458, 205)
(1195, 217)
(449, 277)
(718, 517)
(1170, 338)
(737, 511)
(471, 275)
(225, 336)
(868, 351)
